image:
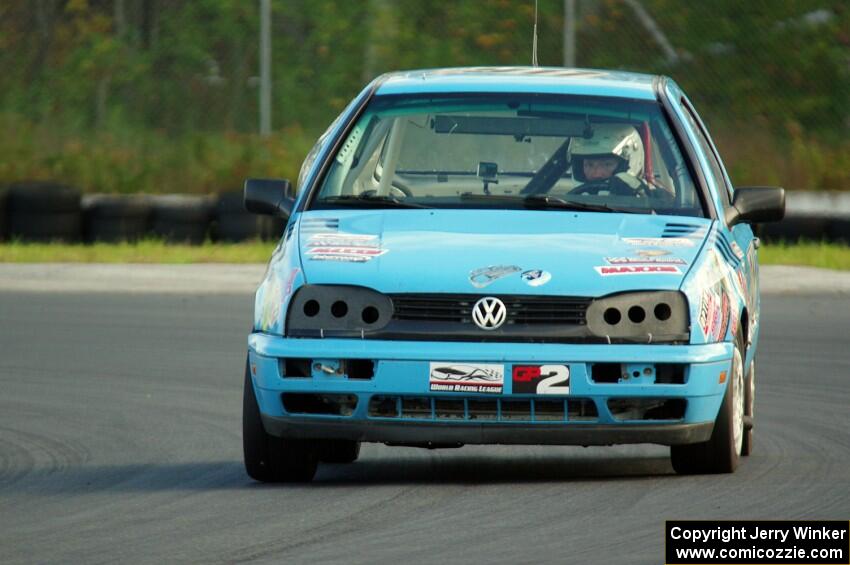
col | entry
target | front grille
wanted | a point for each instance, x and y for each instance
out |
(477, 409)
(457, 308)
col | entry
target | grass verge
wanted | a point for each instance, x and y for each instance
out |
(807, 254)
(147, 251)
(823, 255)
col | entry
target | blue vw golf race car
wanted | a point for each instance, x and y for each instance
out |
(507, 256)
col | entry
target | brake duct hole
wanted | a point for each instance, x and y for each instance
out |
(612, 316)
(663, 311)
(294, 367)
(339, 309)
(370, 315)
(323, 404)
(311, 308)
(637, 314)
(360, 368)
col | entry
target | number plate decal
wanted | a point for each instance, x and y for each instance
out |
(541, 379)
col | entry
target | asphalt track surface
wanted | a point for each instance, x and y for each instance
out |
(120, 440)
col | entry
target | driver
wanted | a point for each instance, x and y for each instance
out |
(611, 161)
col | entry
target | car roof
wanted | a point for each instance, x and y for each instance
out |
(545, 80)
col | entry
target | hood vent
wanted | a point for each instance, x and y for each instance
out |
(726, 248)
(695, 231)
(319, 225)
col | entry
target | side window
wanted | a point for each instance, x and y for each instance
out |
(314, 152)
(710, 155)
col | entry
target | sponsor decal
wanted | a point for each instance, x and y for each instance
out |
(477, 378)
(340, 258)
(659, 241)
(707, 312)
(342, 240)
(540, 379)
(652, 252)
(734, 314)
(360, 251)
(607, 270)
(645, 261)
(344, 247)
(479, 278)
(742, 282)
(736, 249)
(290, 281)
(720, 321)
(536, 277)
(271, 304)
(716, 313)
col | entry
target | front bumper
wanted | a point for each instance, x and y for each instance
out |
(401, 372)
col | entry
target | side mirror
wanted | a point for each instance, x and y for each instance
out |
(755, 204)
(269, 196)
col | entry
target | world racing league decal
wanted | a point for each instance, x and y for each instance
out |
(454, 377)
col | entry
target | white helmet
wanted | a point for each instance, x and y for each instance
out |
(608, 140)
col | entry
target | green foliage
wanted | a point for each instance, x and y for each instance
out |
(132, 95)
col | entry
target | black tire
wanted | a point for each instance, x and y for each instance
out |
(839, 230)
(59, 226)
(234, 223)
(3, 231)
(236, 226)
(181, 218)
(749, 407)
(720, 454)
(230, 202)
(339, 451)
(113, 218)
(271, 459)
(42, 197)
(796, 227)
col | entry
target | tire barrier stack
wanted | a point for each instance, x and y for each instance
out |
(110, 218)
(812, 216)
(234, 223)
(43, 211)
(50, 211)
(181, 218)
(2, 213)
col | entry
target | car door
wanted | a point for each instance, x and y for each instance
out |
(736, 245)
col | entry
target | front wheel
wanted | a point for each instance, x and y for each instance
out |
(721, 452)
(749, 408)
(269, 458)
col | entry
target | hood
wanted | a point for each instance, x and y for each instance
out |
(498, 251)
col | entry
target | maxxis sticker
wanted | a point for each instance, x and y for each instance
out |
(659, 241)
(344, 247)
(611, 270)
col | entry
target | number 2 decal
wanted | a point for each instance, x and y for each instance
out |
(556, 380)
(541, 379)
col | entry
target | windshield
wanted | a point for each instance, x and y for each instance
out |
(511, 151)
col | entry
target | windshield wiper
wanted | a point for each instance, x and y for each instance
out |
(368, 201)
(543, 202)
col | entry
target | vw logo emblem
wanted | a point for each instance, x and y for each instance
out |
(489, 313)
